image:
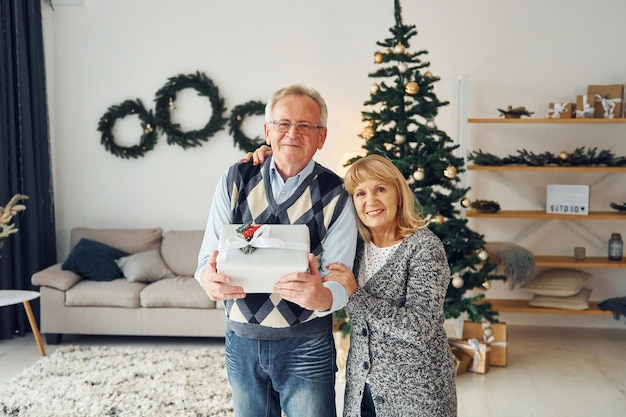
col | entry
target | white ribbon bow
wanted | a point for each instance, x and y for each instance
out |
(608, 104)
(260, 239)
(475, 345)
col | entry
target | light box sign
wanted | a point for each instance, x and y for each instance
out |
(567, 199)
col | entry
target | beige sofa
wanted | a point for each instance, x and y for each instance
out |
(170, 306)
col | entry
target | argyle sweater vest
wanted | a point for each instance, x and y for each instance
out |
(317, 202)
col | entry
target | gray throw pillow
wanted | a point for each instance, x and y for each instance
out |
(144, 267)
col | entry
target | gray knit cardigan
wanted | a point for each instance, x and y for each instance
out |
(397, 339)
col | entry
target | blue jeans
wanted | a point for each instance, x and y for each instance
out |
(367, 404)
(295, 375)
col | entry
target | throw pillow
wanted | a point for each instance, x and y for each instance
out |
(94, 260)
(144, 267)
(560, 282)
(579, 301)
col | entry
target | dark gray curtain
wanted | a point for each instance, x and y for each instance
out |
(25, 166)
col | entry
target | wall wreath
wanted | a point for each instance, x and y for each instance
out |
(119, 111)
(166, 100)
(237, 116)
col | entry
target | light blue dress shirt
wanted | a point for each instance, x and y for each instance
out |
(339, 246)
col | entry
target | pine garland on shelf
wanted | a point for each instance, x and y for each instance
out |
(237, 116)
(580, 157)
(619, 207)
(485, 206)
(166, 104)
(119, 111)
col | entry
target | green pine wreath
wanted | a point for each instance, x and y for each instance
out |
(237, 116)
(165, 98)
(119, 111)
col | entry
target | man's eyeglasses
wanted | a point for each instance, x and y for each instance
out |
(304, 128)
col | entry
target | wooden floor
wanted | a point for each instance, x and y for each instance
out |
(552, 371)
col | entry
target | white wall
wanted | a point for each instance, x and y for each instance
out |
(101, 52)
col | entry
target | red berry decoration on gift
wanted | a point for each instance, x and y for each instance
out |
(247, 232)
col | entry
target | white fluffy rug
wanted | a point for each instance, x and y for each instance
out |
(87, 381)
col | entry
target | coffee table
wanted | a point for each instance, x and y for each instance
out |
(13, 297)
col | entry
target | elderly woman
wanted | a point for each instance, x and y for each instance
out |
(399, 363)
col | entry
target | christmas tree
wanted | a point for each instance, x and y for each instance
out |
(401, 126)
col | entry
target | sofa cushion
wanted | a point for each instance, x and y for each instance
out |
(180, 250)
(53, 276)
(116, 293)
(129, 240)
(94, 260)
(144, 267)
(176, 292)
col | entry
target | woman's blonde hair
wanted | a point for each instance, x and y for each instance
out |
(379, 168)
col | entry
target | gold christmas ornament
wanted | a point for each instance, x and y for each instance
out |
(564, 155)
(419, 174)
(402, 67)
(450, 172)
(374, 88)
(411, 87)
(399, 49)
(438, 219)
(431, 124)
(457, 281)
(486, 285)
(428, 74)
(466, 202)
(400, 138)
(483, 255)
(378, 57)
(368, 132)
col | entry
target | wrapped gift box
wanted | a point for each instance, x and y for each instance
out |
(477, 351)
(497, 341)
(561, 110)
(461, 360)
(279, 250)
(606, 100)
(583, 108)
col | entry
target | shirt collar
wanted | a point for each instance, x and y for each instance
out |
(308, 169)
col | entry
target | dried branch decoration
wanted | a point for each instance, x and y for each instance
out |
(7, 213)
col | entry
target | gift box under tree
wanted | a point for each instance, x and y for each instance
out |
(493, 334)
(477, 351)
(461, 360)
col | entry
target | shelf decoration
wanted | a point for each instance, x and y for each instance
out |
(166, 104)
(606, 100)
(619, 207)
(237, 115)
(485, 206)
(580, 157)
(583, 108)
(561, 110)
(515, 112)
(119, 111)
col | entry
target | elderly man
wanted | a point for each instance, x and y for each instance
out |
(279, 348)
